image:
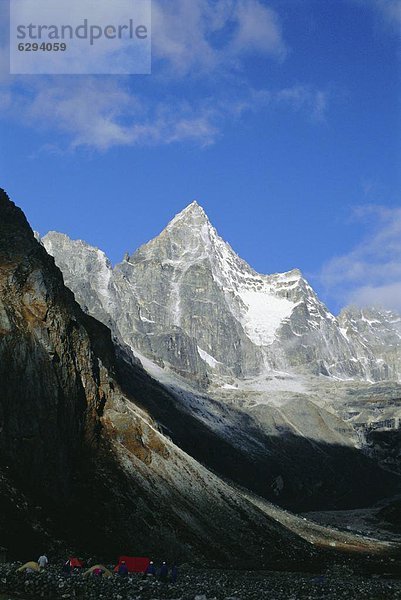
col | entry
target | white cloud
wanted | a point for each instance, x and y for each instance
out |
(200, 36)
(101, 113)
(258, 29)
(387, 296)
(371, 272)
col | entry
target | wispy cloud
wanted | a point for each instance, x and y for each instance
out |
(390, 9)
(200, 36)
(371, 273)
(101, 113)
(305, 98)
(389, 12)
(194, 41)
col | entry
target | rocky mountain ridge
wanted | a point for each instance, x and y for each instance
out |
(187, 301)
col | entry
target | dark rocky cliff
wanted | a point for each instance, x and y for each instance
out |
(53, 384)
(80, 461)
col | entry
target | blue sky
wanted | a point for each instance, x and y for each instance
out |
(281, 118)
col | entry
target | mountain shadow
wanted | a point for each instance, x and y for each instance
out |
(292, 471)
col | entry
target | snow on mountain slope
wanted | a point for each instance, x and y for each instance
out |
(264, 314)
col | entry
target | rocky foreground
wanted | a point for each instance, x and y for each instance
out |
(337, 582)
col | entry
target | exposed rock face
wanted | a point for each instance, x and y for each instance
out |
(379, 330)
(79, 448)
(187, 301)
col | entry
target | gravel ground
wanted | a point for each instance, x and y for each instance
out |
(197, 584)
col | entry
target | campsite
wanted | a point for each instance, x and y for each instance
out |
(341, 580)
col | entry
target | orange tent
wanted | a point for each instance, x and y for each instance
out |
(106, 572)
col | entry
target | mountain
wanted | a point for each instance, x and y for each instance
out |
(189, 303)
(256, 361)
(83, 464)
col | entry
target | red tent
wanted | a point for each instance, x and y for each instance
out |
(135, 564)
(74, 562)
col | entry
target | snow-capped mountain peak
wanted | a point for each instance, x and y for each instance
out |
(193, 214)
(187, 290)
